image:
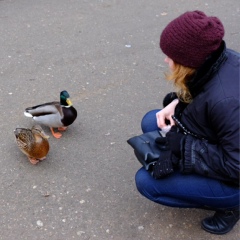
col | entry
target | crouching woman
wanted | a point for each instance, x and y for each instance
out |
(203, 114)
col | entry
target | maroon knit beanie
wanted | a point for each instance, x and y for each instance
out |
(191, 38)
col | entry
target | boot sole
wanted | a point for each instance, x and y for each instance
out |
(217, 233)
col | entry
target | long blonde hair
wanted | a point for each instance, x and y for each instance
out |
(181, 74)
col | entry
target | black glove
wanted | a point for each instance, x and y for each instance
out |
(162, 143)
(170, 147)
(174, 138)
(163, 166)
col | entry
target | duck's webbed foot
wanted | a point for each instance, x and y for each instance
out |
(56, 134)
(62, 128)
(33, 161)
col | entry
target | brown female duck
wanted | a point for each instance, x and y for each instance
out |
(32, 142)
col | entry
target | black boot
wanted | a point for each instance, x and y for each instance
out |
(221, 222)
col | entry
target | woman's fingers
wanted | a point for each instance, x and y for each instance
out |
(166, 115)
(161, 119)
(172, 123)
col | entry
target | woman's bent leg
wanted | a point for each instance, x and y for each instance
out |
(187, 191)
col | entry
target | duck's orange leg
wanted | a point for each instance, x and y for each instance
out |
(57, 134)
(33, 161)
(62, 128)
(43, 158)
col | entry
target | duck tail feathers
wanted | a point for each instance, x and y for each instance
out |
(27, 114)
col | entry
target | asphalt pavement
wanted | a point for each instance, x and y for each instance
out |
(106, 55)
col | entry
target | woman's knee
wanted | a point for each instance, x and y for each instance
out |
(149, 121)
(139, 179)
(142, 180)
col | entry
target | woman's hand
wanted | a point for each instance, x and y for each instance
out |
(166, 114)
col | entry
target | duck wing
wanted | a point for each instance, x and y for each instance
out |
(24, 139)
(45, 109)
(48, 114)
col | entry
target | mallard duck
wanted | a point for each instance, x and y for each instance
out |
(32, 142)
(54, 114)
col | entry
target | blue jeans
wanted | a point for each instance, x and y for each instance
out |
(184, 191)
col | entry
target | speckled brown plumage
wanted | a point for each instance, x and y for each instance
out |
(32, 142)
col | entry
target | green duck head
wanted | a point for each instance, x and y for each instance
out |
(65, 99)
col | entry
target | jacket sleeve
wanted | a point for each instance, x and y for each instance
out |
(169, 98)
(218, 160)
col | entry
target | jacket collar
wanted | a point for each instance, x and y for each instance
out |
(207, 71)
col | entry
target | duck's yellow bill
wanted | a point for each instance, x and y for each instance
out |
(69, 102)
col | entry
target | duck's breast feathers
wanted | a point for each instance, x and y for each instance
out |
(44, 109)
(69, 115)
(40, 148)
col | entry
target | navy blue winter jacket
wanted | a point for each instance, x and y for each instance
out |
(213, 116)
